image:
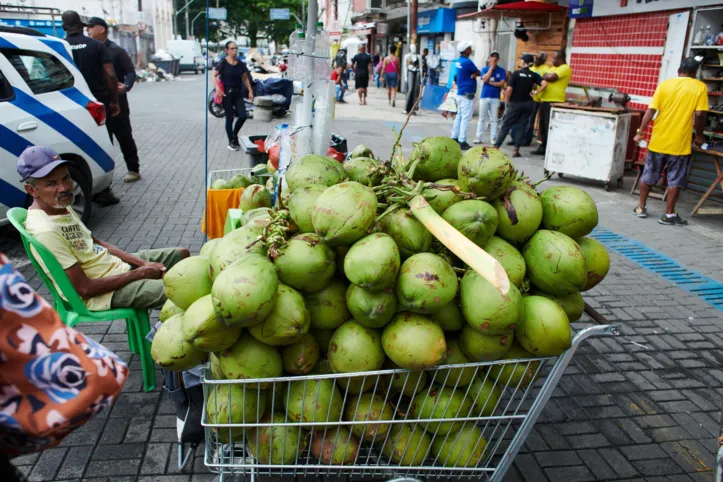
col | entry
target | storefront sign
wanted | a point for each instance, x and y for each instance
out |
(382, 28)
(580, 8)
(440, 20)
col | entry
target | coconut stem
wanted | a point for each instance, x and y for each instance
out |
(389, 210)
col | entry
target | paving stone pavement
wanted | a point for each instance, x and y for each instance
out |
(642, 406)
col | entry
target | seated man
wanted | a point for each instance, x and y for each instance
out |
(102, 274)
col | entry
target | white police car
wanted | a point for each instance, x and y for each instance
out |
(45, 101)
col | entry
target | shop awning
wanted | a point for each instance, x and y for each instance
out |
(515, 8)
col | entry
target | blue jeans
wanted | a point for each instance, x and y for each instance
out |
(377, 79)
(433, 77)
(465, 109)
(488, 108)
(340, 90)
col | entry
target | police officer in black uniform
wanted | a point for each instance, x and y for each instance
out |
(95, 63)
(120, 127)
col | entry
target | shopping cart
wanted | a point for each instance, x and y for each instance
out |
(478, 438)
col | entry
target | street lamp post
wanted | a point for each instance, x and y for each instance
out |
(203, 12)
(181, 10)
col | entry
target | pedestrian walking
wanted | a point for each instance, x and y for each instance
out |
(337, 76)
(390, 67)
(377, 71)
(677, 102)
(519, 102)
(362, 65)
(493, 80)
(540, 67)
(425, 67)
(230, 78)
(95, 63)
(120, 125)
(557, 77)
(465, 80)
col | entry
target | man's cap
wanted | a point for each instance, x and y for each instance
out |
(463, 45)
(37, 162)
(495, 54)
(96, 21)
(528, 58)
(71, 18)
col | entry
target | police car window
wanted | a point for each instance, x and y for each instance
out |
(6, 92)
(42, 71)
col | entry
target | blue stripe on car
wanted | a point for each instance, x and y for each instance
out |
(6, 44)
(11, 195)
(64, 127)
(76, 96)
(58, 47)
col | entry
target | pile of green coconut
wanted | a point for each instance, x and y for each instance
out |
(403, 263)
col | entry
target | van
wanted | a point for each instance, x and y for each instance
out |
(189, 51)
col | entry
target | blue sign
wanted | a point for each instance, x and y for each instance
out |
(279, 14)
(580, 8)
(217, 13)
(436, 21)
(42, 26)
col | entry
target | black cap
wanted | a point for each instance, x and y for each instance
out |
(528, 58)
(71, 19)
(495, 54)
(96, 21)
(37, 162)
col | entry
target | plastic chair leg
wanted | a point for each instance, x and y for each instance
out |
(149, 372)
(132, 337)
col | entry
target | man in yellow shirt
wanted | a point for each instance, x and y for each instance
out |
(677, 102)
(558, 78)
(104, 276)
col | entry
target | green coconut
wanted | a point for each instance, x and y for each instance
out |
(170, 351)
(249, 358)
(221, 184)
(450, 317)
(314, 169)
(363, 170)
(485, 171)
(355, 348)
(369, 408)
(414, 341)
(258, 213)
(544, 329)
(465, 448)
(456, 377)
(187, 281)
(509, 257)
(203, 330)
(440, 402)
(239, 181)
(371, 309)
(301, 205)
(231, 403)
(215, 367)
(255, 196)
(410, 235)
(555, 263)
(485, 394)
(278, 444)
(340, 256)
(306, 263)
(208, 246)
(478, 347)
(569, 210)
(334, 446)
(244, 293)
(515, 374)
(477, 220)
(407, 444)
(288, 321)
(486, 309)
(344, 213)
(441, 199)
(361, 151)
(322, 337)
(168, 310)
(437, 158)
(425, 284)
(573, 305)
(313, 401)
(300, 357)
(327, 306)
(234, 246)
(406, 383)
(519, 210)
(597, 261)
(373, 262)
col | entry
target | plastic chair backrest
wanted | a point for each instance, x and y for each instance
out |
(71, 300)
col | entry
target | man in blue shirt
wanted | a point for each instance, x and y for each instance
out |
(493, 80)
(466, 80)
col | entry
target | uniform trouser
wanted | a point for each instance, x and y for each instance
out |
(545, 109)
(120, 127)
(529, 129)
(516, 117)
(465, 109)
(412, 90)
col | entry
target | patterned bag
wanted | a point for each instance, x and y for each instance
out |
(52, 378)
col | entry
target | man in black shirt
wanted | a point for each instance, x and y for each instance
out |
(120, 125)
(362, 64)
(519, 102)
(96, 65)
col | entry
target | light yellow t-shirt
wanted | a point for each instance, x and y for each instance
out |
(555, 91)
(542, 70)
(676, 100)
(71, 242)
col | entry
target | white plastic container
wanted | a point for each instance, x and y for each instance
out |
(324, 91)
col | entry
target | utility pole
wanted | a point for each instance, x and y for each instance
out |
(413, 22)
(187, 26)
(336, 9)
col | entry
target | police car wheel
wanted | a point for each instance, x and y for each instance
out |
(82, 193)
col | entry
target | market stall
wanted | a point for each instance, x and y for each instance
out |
(705, 175)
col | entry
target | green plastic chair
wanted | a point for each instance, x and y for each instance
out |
(70, 306)
(233, 220)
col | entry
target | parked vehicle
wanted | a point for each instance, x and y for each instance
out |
(190, 53)
(280, 90)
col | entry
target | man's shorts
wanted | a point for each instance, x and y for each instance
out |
(147, 293)
(676, 168)
(361, 81)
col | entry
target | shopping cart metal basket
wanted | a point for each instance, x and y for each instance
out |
(318, 425)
